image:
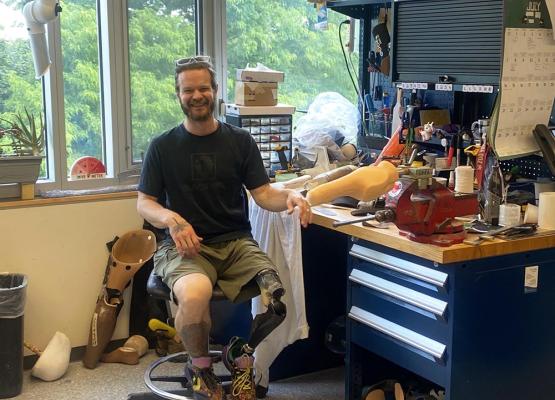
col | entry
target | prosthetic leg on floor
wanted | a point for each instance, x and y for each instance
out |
(128, 254)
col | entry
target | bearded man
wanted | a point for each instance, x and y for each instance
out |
(192, 184)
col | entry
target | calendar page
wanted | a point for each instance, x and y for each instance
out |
(527, 90)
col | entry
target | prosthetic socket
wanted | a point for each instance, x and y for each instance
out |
(271, 291)
(365, 183)
(129, 253)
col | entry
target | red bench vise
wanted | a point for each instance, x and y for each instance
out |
(425, 211)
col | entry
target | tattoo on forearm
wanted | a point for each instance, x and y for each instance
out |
(180, 226)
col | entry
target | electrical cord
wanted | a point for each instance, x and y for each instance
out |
(355, 84)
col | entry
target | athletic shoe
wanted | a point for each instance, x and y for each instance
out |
(232, 350)
(205, 385)
(242, 378)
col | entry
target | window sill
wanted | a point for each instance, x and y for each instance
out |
(40, 201)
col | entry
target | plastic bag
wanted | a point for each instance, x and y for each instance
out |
(331, 121)
(12, 295)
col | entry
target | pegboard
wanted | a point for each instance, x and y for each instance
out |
(531, 167)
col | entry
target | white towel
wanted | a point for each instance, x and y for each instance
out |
(279, 235)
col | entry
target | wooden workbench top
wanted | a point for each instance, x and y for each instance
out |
(325, 215)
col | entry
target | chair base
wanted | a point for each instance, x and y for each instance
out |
(175, 394)
(152, 396)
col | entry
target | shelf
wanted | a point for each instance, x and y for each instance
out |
(450, 87)
(355, 8)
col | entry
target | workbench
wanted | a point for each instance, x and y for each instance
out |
(478, 321)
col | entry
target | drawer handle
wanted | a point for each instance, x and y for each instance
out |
(410, 296)
(402, 334)
(425, 274)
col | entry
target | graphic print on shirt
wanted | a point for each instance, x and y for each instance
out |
(203, 166)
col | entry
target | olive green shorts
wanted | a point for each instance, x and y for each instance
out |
(231, 265)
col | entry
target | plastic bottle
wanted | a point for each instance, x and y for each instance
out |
(386, 104)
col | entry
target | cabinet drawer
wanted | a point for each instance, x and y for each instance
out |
(421, 313)
(402, 346)
(413, 274)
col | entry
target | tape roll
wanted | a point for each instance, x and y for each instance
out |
(509, 214)
(464, 179)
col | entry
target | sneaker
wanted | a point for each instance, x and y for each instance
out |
(234, 349)
(242, 378)
(205, 385)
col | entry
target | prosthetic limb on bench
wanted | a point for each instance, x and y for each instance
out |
(129, 253)
(365, 183)
(271, 290)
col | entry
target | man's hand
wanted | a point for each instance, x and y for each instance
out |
(295, 199)
(186, 240)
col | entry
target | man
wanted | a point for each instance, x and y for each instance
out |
(198, 171)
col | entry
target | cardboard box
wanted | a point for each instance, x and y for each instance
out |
(256, 93)
(280, 109)
(253, 75)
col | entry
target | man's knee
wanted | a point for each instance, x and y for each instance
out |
(192, 291)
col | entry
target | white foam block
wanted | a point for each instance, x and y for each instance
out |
(53, 362)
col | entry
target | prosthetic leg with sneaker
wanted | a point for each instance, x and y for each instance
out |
(237, 356)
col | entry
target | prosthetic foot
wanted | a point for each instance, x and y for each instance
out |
(129, 253)
(133, 349)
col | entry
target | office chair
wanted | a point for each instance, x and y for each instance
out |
(262, 325)
(157, 289)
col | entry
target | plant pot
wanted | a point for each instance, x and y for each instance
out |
(20, 169)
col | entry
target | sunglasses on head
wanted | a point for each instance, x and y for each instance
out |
(192, 60)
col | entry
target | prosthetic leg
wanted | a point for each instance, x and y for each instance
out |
(365, 183)
(237, 356)
(129, 253)
(271, 291)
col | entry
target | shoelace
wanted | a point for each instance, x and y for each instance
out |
(241, 381)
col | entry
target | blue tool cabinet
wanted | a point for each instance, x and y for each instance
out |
(473, 328)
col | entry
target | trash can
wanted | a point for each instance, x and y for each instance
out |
(12, 304)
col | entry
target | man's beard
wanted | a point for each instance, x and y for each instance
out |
(195, 116)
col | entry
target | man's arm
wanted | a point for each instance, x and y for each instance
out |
(160, 217)
(278, 199)
(186, 240)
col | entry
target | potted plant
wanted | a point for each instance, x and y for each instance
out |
(21, 148)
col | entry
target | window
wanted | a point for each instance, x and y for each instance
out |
(159, 33)
(83, 124)
(110, 88)
(281, 35)
(19, 90)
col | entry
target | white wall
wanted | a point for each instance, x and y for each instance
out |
(62, 250)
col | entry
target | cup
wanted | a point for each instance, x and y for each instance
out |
(531, 214)
(543, 186)
(546, 210)
(509, 214)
